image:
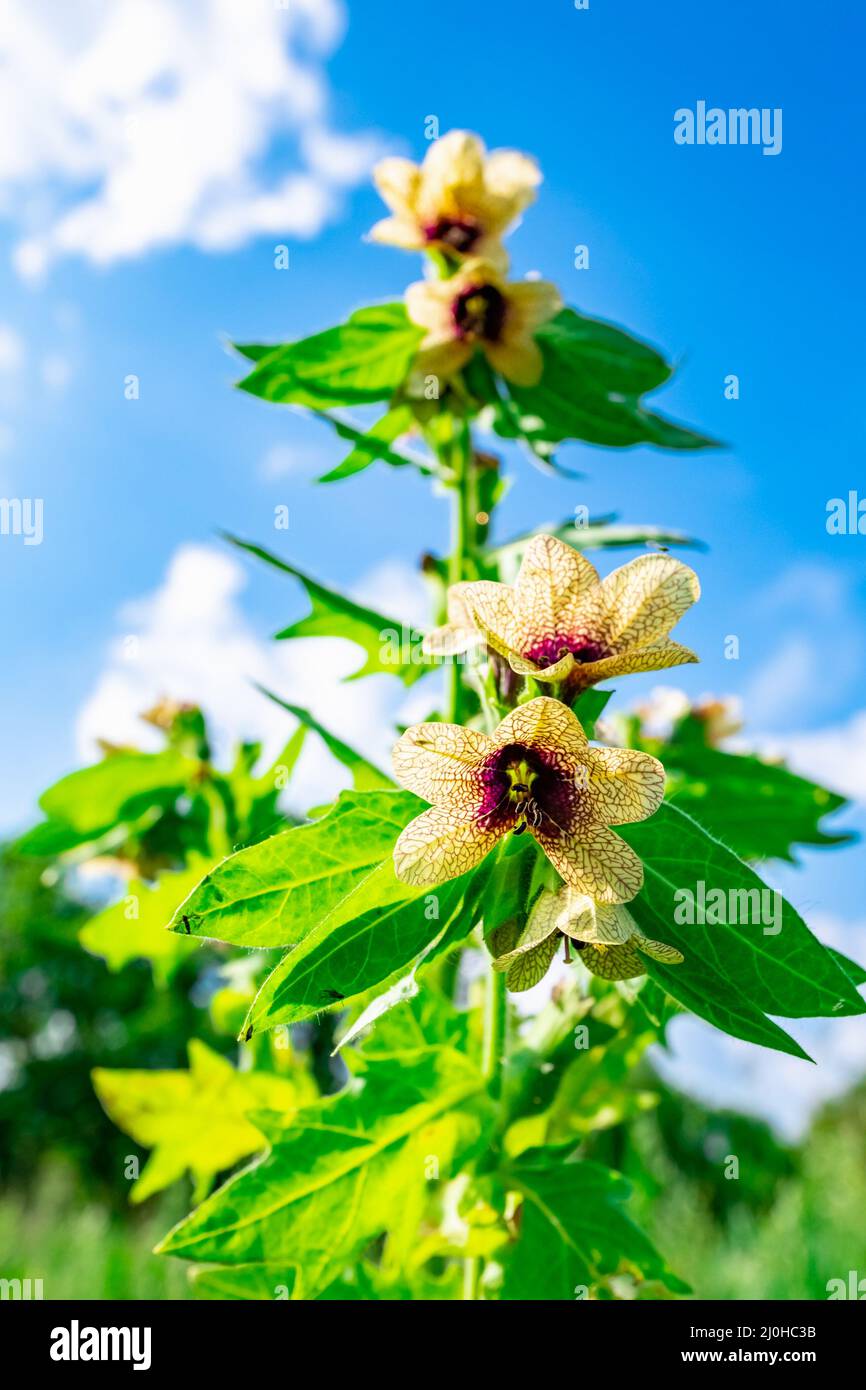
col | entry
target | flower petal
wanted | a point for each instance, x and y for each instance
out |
(459, 634)
(443, 764)
(518, 359)
(398, 181)
(580, 917)
(658, 656)
(428, 303)
(549, 725)
(494, 610)
(531, 303)
(397, 231)
(513, 177)
(557, 672)
(595, 861)
(658, 950)
(623, 785)
(644, 599)
(541, 924)
(552, 582)
(452, 174)
(530, 969)
(435, 847)
(612, 962)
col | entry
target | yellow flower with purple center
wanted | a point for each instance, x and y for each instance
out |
(459, 201)
(459, 634)
(536, 773)
(559, 623)
(605, 937)
(477, 309)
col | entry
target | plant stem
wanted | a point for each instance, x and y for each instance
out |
(462, 488)
(493, 1039)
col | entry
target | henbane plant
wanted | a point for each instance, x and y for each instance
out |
(458, 1157)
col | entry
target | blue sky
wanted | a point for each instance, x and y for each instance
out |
(731, 261)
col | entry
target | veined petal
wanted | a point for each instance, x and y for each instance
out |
(595, 861)
(644, 599)
(459, 634)
(580, 917)
(541, 924)
(451, 640)
(552, 581)
(494, 610)
(549, 725)
(658, 950)
(557, 672)
(658, 656)
(530, 968)
(435, 847)
(562, 912)
(443, 763)
(613, 962)
(623, 785)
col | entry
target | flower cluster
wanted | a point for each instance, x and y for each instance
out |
(457, 205)
(556, 631)
(562, 627)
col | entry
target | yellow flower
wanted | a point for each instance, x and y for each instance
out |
(605, 936)
(458, 635)
(477, 308)
(459, 201)
(536, 772)
(560, 623)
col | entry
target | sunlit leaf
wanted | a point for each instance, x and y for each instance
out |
(338, 1172)
(735, 971)
(193, 1120)
(365, 775)
(391, 647)
(274, 893)
(364, 359)
(574, 1232)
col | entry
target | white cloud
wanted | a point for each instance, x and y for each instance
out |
(11, 348)
(287, 460)
(128, 125)
(190, 640)
(834, 756)
(56, 371)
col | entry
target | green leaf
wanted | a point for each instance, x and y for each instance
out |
(600, 354)
(365, 775)
(575, 1233)
(589, 707)
(570, 402)
(338, 1172)
(391, 647)
(760, 810)
(260, 1282)
(134, 928)
(121, 789)
(735, 972)
(275, 892)
(193, 1120)
(373, 444)
(368, 939)
(365, 359)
